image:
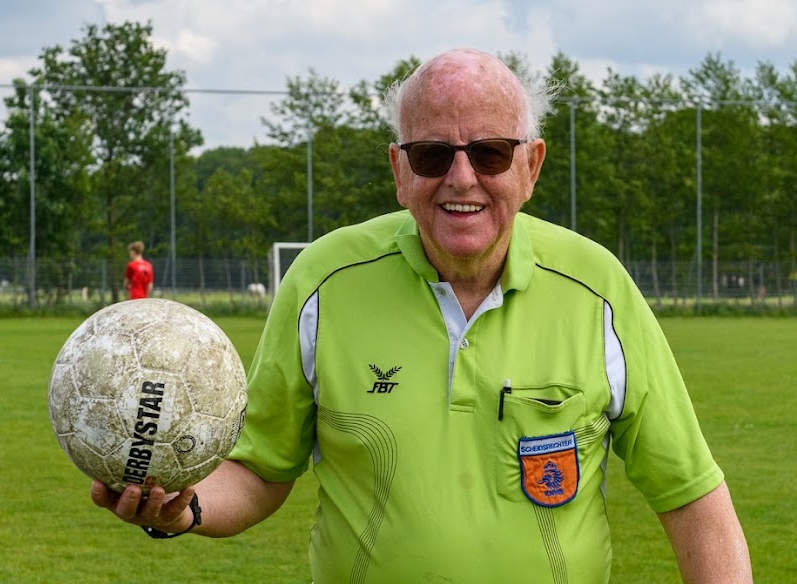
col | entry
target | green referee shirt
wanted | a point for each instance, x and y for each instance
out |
(463, 451)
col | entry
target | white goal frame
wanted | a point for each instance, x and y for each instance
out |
(275, 262)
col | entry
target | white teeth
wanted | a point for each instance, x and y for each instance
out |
(462, 208)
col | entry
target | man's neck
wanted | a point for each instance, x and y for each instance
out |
(472, 282)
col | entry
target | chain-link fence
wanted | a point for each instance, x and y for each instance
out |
(740, 283)
(247, 282)
(89, 282)
(673, 178)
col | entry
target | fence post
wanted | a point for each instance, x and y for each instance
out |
(173, 213)
(32, 246)
(309, 183)
(243, 282)
(573, 164)
(104, 285)
(699, 210)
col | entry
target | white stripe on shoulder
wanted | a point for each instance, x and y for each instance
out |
(308, 333)
(615, 364)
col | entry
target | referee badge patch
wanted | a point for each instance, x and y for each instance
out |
(549, 468)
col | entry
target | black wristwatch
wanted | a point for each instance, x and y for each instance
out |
(195, 509)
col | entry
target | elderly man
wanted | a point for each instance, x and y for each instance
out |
(458, 372)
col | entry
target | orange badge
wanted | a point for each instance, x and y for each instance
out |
(549, 468)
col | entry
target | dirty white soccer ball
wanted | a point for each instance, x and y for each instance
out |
(150, 392)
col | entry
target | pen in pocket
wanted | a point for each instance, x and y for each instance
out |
(504, 390)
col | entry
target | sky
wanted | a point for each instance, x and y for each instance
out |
(256, 45)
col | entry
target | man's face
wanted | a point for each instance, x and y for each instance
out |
(464, 215)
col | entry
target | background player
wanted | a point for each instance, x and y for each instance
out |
(139, 275)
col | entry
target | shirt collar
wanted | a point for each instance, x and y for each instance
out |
(408, 240)
(519, 264)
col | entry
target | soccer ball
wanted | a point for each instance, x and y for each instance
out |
(148, 392)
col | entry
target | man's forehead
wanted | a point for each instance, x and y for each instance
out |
(451, 82)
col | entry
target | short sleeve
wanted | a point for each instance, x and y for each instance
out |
(657, 434)
(279, 432)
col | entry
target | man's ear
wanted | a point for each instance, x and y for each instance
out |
(536, 156)
(394, 153)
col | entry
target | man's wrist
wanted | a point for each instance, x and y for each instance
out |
(196, 513)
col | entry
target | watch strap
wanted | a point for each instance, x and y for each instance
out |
(195, 509)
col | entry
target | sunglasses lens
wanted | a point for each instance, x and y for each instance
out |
(430, 159)
(491, 156)
(433, 159)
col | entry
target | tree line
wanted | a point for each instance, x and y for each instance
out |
(631, 163)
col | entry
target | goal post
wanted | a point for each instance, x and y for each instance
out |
(280, 257)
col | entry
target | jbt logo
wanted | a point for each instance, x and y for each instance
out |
(383, 383)
(382, 387)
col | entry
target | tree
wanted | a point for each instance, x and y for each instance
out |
(60, 162)
(729, 148)
(240, 218)
(11, 240)
(114, 87)
(519, 64)
(667, 163)
(309, 104)
(354, 179)
(231, 159)
(552, 195)
(777, 96)
(624, 113)
(351, 176)
(367, 98)
(60, 186)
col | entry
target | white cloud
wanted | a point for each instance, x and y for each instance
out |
(760, 24)
(596, 69)
(15, 68)
(195, 47)
(257, 44)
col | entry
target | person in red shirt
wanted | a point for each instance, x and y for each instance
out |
(138, 274)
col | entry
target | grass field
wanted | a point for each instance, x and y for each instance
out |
(742, 374)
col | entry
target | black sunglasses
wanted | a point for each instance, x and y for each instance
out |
(431, 158)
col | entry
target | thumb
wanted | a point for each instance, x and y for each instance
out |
(100, 495)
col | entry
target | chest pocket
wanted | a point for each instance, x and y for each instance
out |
(531, 416)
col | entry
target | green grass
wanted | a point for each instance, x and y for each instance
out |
(51, 531)
(741, 373)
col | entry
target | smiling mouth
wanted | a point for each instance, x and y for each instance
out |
(462, 208)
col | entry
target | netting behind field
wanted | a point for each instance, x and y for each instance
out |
(92, 280)
(255, 281)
